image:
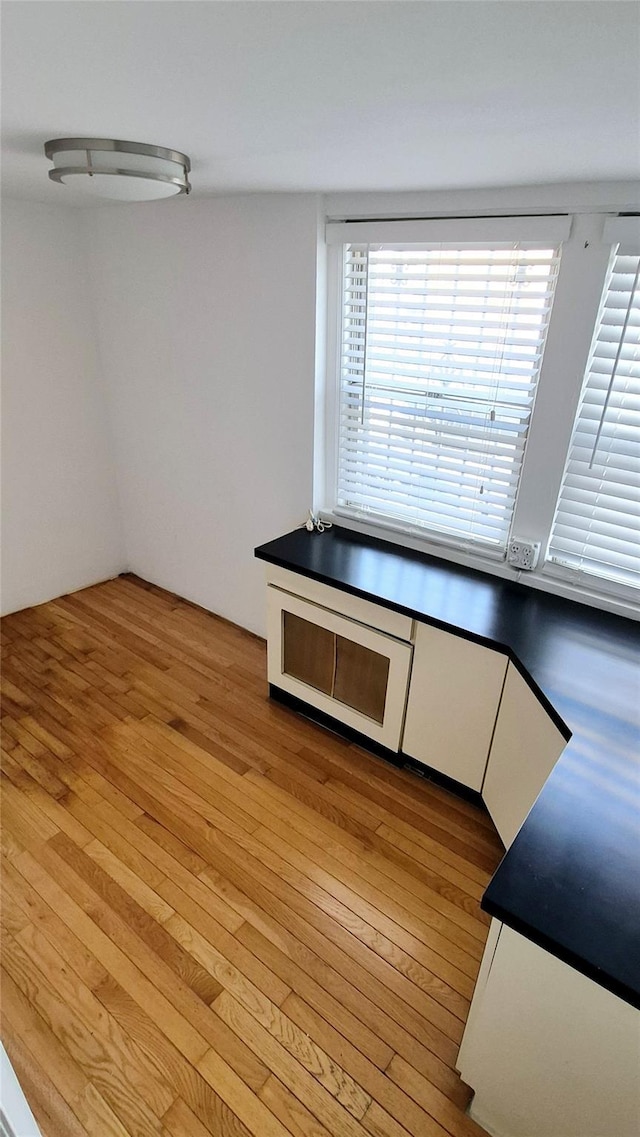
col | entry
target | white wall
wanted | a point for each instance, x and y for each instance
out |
(206, 317)
(202, 314)
(60, 524)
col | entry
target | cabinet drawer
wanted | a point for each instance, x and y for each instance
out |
(351, 672)
(364, 611)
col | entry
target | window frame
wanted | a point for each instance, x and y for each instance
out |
(584, 261)
(621, 235)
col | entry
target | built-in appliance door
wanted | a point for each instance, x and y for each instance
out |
(354, 673)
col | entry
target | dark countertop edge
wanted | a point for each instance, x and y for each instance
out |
(553, 947)
(424, 618)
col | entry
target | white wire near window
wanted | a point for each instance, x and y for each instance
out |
(441, 350)
(597, 523)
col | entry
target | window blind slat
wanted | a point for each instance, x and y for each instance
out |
(417, 473)
(441, 349)
(597, 524)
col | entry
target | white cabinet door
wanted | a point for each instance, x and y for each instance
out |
(525, 748)
(453, 701)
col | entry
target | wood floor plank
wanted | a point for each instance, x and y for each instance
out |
(330, 1109)
(39, 913)
(410, 933)
(41, 771)
(143, 763)
(301, 958)
(299, 1121)
(180, 1121)
(74, 771)
(59, 817)
(418, 858)
(482, 853)
(411, 787)
(310, 820)
(434, 1106)
(158, 844)
(338, 966)
(374, 854)
(16, 833)
(25, 817)
(29, 1026)
(119, 846)
(230, 946)
(171, 845)
(117, 899)
(355, 938)
(424, 1094)
(108, 1058)
(370, 793)
(366, 1041)
(97, 1116)
(48, 1105)
(124, 1053)
(151, 902)
(53, 1067)
(189, 1086)
(309, 1055)
(438, 926)
(186, 1037)
(353, 997)
(236, 1095)
(13, 918)
(219, 917)
(206, 767)
(168, 978)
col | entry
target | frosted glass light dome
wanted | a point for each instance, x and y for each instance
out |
(117, 170)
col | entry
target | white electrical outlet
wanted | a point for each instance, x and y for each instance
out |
(523, 554)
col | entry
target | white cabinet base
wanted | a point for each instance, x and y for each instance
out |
(548, 1052)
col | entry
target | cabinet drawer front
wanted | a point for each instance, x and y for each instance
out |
(351, 672)
(374, 616)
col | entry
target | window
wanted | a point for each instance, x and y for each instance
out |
(441, 350)
(470, 402)
(597, 523)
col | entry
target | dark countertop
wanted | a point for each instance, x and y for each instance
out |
(571, 880)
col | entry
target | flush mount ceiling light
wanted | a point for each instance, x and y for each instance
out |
(121, 171)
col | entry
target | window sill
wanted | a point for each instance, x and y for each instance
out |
(548, 578)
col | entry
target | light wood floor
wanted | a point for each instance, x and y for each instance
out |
(219, 918)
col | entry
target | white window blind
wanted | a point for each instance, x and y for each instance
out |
(441, 350)
(597, 523)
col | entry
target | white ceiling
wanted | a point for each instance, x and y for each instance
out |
(301, 95)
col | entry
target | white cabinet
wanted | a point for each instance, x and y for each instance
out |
(526, 746)
(453, 702)
(546, 1050)
(469, 713)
